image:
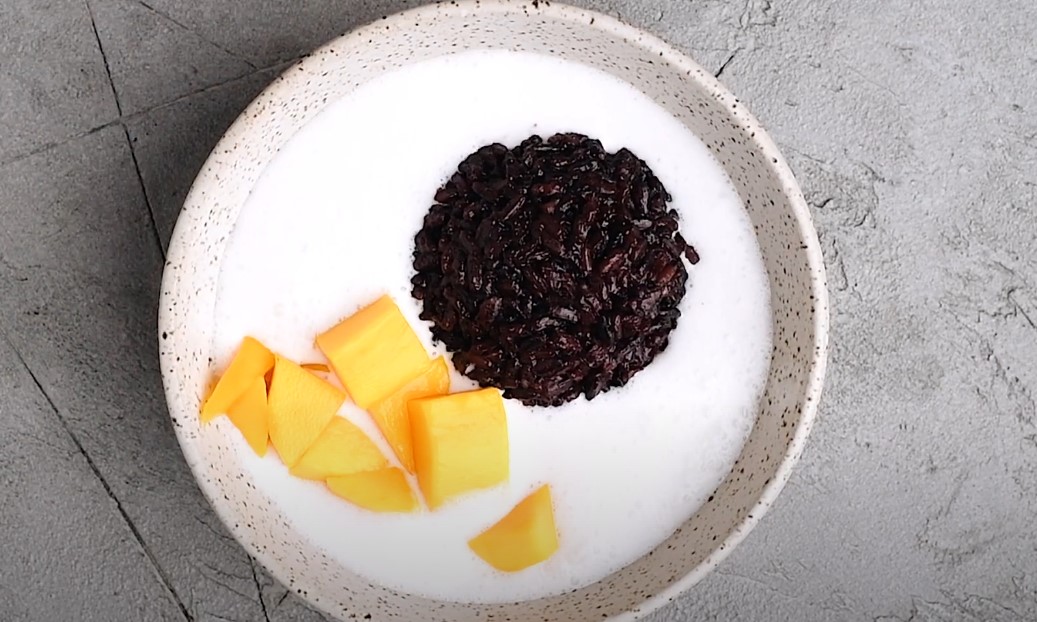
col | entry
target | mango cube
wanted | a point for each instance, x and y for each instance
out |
(384, 490)
(301, 406)
(251, 361)
(391, 415)
(460, 443)
(526, 536)
(341, 449)
(374, 352)
(249, 413)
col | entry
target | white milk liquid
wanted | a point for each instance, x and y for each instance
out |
(329, 227)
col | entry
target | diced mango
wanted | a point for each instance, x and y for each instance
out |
(460, 443)
(341, 449)
(384, 490)
(301, 406)
(249, 413)
(391, 413)
(526, 536)
(251, 361)
(374, 352)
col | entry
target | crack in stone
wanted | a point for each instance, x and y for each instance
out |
(221, 583)
(144, 191)
(224, 573)
(1019, 308)
(126, 131)
(1014, 388)
(213, 531)
(126, 119)
(724, 65)
(104, 57)
(259, 589)
(180, 24)
(282, 599)
(58, 143)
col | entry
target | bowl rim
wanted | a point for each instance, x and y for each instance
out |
(811, 393)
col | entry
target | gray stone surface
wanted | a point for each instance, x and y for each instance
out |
(99, 572)
(154, 58)
(52, 79)
(913, 130)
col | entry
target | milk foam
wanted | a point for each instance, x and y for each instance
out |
(329, 227)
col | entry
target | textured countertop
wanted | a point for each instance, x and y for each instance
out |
(912, 127)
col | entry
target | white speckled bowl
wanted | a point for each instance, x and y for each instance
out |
(767, 188)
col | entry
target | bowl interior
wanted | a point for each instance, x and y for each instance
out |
(767, 188)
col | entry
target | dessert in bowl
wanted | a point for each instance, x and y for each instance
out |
(308, 210)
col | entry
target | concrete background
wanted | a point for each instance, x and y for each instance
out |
(912, 126)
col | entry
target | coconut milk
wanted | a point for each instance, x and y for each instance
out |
(329, 227)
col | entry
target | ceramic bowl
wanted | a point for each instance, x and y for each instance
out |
(763, 180)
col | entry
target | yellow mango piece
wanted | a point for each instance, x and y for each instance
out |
(384, 490)
(374, 352)
(301, 406)
(249, 413)
(251, 361)
(319, 367)
(341, 449)
(391, 413)
(526, 536)
(460, 443)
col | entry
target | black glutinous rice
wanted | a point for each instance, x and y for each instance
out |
(551, 269)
